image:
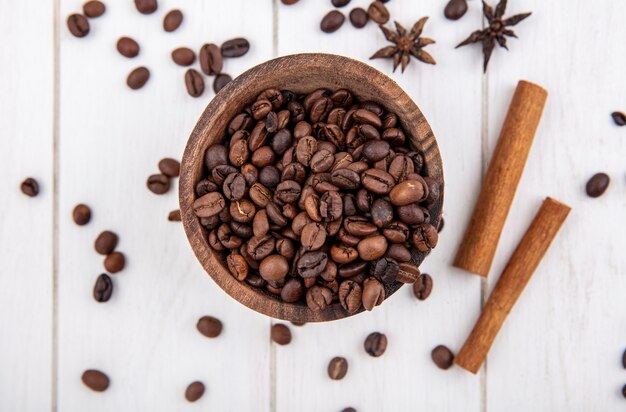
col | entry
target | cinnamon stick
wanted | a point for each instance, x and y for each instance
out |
(512, 282)
(500, 183)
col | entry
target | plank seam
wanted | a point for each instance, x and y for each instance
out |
(484, 159)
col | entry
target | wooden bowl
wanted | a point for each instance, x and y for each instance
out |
(301, 73)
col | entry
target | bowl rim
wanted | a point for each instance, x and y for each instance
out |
(252, 297)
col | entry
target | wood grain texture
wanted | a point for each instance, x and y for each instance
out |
(300, 73)
(26, 224)
(480, 241)
(511, 283)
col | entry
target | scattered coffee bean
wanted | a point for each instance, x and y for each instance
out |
(30, 187)
(94, 8)
(340, 3)
(624, 391)
(194, 83)
(172, 20)
(209, 326)
(78, 25)
(348, 409)
(295, 323)
(103, 289)
(359, 17)
(158, 184)
(624, 359)
(455, 9)
(194, 391)
(442, 357)
(597, 185)
(332, 21)
(114, 262)
(127, 47)
(423, 286)
(95, 380)
(146, 6)
(235, 47)
(183, 56)
(281, 334)
(106, 242)
(174, 216)
(441, 225)
(220, 81)
(211, 61)
(337, 368)
(138, 78)
(81, 214)
(375, 344)
(169, 167)
(378, 12)
(619, 118)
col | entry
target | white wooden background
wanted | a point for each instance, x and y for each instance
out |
(68, 119)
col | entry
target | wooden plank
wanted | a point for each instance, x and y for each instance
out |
(562, 344)
(404, 378)
(110, 141)
(26, 149)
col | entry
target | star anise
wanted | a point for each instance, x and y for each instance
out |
(405, 45)
(496, 31)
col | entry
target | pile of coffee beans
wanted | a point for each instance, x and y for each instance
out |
(334, 19)
(318, 198)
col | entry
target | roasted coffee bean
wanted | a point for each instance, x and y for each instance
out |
(378, 12)
(250, 173)
(313, 236)
(289, 2)
(221, 80)
(183, 56)
(359, 226)
(619, 118)
(432, 190)
(378, 181)
(260, 223)
(337, 368)
(95, 380)
(220, 173)
(263, 156)
(306, 148)
(332, 21)
(336, 115)
(347, 238)
(261, 108)
(127, 47)
(103, 289)
(334, 135)
(294, 171)
(274, 267)
(194, 83)
(597, 185)
(411, 214)
(280, 334)
(271, 122)
(209, 205)
(275, 215)
(369, 132)
(214, 241)
(425, 237)
(311, 264)
(348, 409)
(350, 295)
(260, 247)
(320, 109)
(172, 20)
(373, 293)
(343, 253)
(242, 210)
(442, 357)
(455, 9)
(194, 391)
(340, 3)
(106, 242)
(174, 216)
(318, 298)
(375, 150)
(94, 8)
(239, 152)
(169, 167)
(394, 136)
(396, 232)
(322, 161)
(215, 155)
(382, 213)
(209, 326)
(409, 191)
(423, 286)
(330, 272)
(78, 25)
(138, 78)
(114, 262)
(81, 214)
(364, 116)
(158, 184)
(346, 179)
(330, 206)
(146, 6)
(288, 191)
(408, 273)
(235, 47)
(375, 344)
(349, 205)
(243, 121)
(364, 200)
(292, 291)
(359, 17)
(352, 269)
(260, 195)
(30, 187)
(386, 270)
(400, 167)
(237, 266)
(227, 237)
(399, 253)
(211, 61)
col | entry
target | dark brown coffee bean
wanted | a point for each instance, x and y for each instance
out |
(350, 295)
(260, 247)
(274, 267)
(318, 298)
(250, 173)
(396, 232)
(194, 83)
(138, 78)
(106, 242)
(348, 409)
(364, 200)
(386, 270)
(400, 167)
(294, 171)
(597, 185)
(281, 334)
(260, 195)
(275, 215)
(242, 210)
(289, 3)
(359, 17)
(377, 181)
(365, 116)
(382, 213)
(78, 25)
(260, 223)
(146, 6)
(94, 8)
(337, 368)
(332, 21)
(174, 216)
(350, 270)
(320, 109)
(619, 118)
(95, 380)
(169, 167)
(455, 9)
(359, 226)
(373, 293)
(624, 359)
(288, 191)
(442, 357)
(114, 262)
(227, 238)
(172, 20)
(216, 155)
(235, 47)
(346, 179)
(221, 80)
(411, 214)
(334, 135)
(313, 236)
(194, 391)
(30, 187)
(347, 238)
(209, 326)
(158, 184)
(292, 291)
(409, 191)
(378, 12)
(103, 289)
(399, 253)
(340, 3)
(209, 205)
(425, 237)
(375, 150)
(423, 286)
(408, 273)
(210, 58)
(237, 266)
(330, 206)
(343, 253)
(375, 344)
(306, 148)
(221, 172)
(263, 156)
(311, 264)
(81, 214)
(127, 47)
(183, 56)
